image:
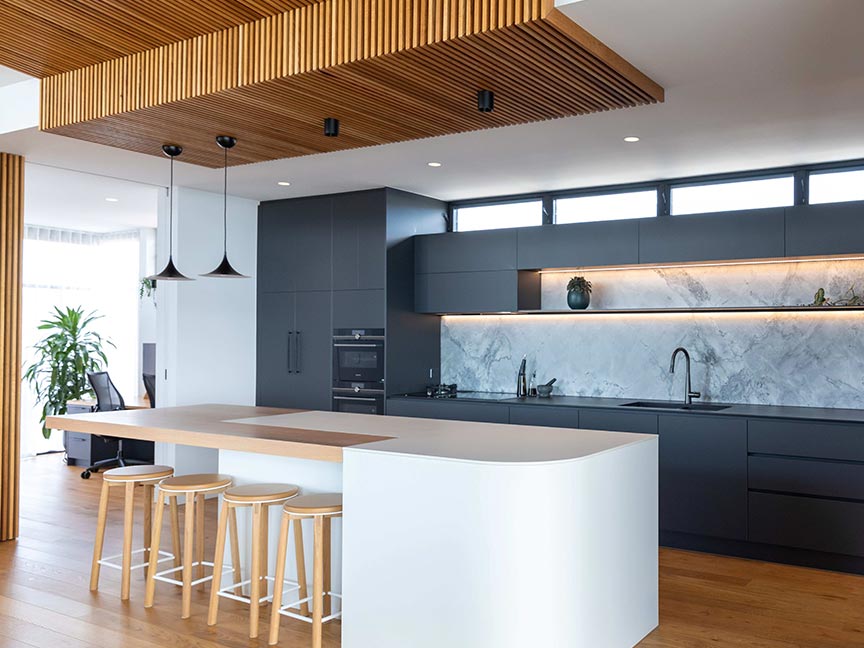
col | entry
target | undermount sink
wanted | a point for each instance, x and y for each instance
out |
(699, 407)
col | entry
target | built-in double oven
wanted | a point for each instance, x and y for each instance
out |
(358, 371)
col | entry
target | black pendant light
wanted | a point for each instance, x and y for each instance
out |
(171, 273)
(224, 269)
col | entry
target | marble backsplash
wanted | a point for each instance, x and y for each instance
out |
(806, 359)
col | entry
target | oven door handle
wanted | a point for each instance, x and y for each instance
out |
(355, 398)
(364, 346)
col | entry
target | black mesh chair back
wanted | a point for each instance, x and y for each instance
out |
(150, 386)
(108, 399)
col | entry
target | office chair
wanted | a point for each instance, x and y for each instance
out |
(108, 399)
(150, 387)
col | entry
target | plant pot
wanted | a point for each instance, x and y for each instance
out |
(578, 300)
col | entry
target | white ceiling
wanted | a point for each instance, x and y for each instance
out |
(72, 200)
(749, 84)
(8, 77)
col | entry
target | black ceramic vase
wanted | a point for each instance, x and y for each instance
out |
(578, 300)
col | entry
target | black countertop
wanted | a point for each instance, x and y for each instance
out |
(832, 415)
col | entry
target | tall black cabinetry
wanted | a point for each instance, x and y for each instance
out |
(340, 261)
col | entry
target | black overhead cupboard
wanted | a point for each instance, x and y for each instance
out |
(341, 261)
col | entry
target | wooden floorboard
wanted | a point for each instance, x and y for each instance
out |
(705, 600)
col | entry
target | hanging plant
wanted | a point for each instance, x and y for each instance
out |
(146, 288)
(63, 358)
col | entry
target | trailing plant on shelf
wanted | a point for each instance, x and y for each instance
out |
(146, 288)
(63, 357)
(578, 293)
(849, 298)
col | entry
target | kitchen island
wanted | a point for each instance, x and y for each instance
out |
(455, 534)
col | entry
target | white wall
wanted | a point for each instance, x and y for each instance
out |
(20, 103)
(205, 348)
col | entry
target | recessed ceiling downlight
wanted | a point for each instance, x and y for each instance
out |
(112, 200)
(434, 165)
(284, 184)
(630, 139)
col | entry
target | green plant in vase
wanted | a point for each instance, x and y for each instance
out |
(63, 357)
(578, 293)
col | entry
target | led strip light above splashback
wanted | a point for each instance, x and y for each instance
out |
(700, 264)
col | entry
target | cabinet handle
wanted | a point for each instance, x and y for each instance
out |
(353, 346)
(355, 398)
(297, 359)
(290, 341)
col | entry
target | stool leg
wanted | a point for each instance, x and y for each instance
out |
(199, 540)
(150, 590)
(175, 531)
(300, 558)
(235, 549)
(265, 549)
(188, 555)
(318, 584)
(255, 576)
(148, 525)
(328, 600)
(278, 580)
(128, 521)
(218, 560)
(100, 537)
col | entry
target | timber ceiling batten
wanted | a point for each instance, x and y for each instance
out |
(390, 70)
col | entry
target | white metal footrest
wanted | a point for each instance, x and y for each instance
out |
(285, 610)
(161, 576)
(106, 562)
(224, 591)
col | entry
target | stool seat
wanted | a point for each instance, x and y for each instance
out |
(138, 473)
(261, 493)
(315, 504)
(200, 482)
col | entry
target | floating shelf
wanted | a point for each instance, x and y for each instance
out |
(709, 309)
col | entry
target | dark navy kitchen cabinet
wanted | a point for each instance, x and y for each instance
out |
(746, 234)
(548, 416)
(359, 241)
(615, 420)
(294, 245)
(448, 409)
(703, 475)
(293, 361)
(466, 251)
(579, 244)
(477, 292)
(359, 309)
(814, 230)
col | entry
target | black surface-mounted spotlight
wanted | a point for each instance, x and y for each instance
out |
(331, 127)
(485, 100)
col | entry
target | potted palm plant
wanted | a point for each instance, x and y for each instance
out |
(578, 293)
(63, 357)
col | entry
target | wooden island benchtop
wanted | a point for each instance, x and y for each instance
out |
(215, 426)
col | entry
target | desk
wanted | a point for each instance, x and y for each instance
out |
(133, 404)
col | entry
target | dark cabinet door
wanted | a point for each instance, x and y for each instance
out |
(546, 415)
(466, 251)
(275, 343)
(359, 240)
(359, 309)
(747, 234)
(477, 292)
(449, 410)
(294, 245)
(579, 244)
(312, 362)
(618, 421)
(703, 475)
(813, 230)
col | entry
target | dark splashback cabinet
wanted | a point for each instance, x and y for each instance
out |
(346, 261)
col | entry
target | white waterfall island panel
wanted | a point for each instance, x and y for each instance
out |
(479, 535)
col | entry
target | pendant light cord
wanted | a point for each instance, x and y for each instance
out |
(171, 213)
(225, 208)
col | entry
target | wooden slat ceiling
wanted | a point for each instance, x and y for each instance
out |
(390, 70)
(46, 37)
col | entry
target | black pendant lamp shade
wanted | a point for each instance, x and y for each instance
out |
(224, 270)
(170, 272)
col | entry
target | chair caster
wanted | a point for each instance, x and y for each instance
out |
(85, 474)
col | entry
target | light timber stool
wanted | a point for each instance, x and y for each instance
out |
(260, 497)
(322, 508)
(194, 488)
(129, 478)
